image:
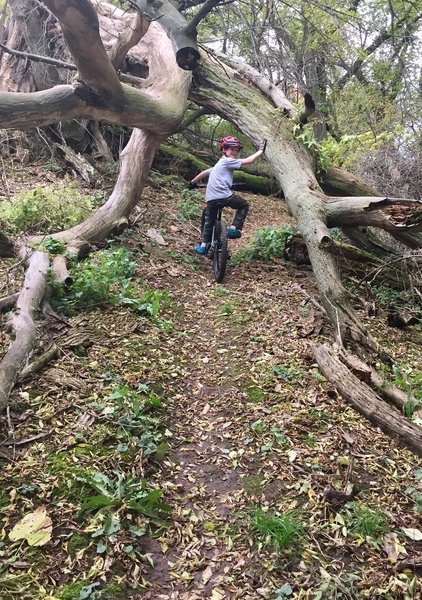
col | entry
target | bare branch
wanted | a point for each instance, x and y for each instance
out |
(36, 58)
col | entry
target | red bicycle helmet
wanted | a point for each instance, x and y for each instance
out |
(229, 142)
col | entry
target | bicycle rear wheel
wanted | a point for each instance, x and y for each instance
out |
(221, 251)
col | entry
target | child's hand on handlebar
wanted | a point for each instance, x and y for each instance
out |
(192, 186)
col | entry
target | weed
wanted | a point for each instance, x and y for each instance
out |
(105, 278)
(387, 296)
(285, 373)
(227, 309)
(255, 394)
(366, 522)
(268, 243)
(412, 385)
(45, 209)
(116, 500)
(189, 206)
(337, 587)
(281, 532)
(53, 246)
(184, 259)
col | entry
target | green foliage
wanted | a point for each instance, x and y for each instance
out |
(387, 296)
(189, 206)
(105, 278)
(281, 532)
(366, 522)
(414, 493)
(45, 209)
(412, 385)
(305, 135)
(53, 246)
(347, 150)
(132, 409)
(268, 243)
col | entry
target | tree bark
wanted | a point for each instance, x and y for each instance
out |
(22, 325)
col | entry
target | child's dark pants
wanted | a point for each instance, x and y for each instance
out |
(210, 212)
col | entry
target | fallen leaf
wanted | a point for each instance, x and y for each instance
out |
(292, 454)
(156, 236)
(206, 575)
(35, 528)
(206, 409)
(413, 534)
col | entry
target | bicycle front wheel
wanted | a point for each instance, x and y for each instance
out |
(221, 252)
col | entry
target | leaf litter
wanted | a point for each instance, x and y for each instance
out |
(247, 423)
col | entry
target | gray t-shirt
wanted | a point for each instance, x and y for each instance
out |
(221, 178)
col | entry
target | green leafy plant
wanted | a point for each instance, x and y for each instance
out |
(104, 278)
(132, 408)
(189, 206)
(412, 385)
(365, 521)
(54, 246)
(305, 135)
(44, 209)
(281, 532)
(267, 244)
(387, 296)
(116, 500)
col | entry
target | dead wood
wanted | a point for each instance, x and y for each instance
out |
(40, 362)
(8, 302)
(364, 399)
(22, 324)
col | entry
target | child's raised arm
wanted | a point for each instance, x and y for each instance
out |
(252, 157)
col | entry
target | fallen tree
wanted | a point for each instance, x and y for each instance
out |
(154, 106)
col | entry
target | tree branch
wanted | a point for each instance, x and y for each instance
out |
(184, 41)
(79, 22)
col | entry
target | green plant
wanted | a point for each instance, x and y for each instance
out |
(190, 205)
(268, 243)
(412, 385)
(105, 278)
(45, 210)
(365, 521)
(116, 500)
(305, 135)
(337, 587)
(284, 373)
(281, 532)
(387, 296)
(132, 408)
(54, 246)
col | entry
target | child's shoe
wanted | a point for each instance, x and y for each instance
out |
(199, 249)
(233, 233)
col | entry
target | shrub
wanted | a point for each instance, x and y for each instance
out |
(268, 243)
(104, 278)
(45, 210)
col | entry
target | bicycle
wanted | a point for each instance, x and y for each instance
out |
(218, 250)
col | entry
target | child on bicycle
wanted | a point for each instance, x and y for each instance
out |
(219, 192)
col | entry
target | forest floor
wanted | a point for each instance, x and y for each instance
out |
(215, 401)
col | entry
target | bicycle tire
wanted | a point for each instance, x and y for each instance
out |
(221, 251)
